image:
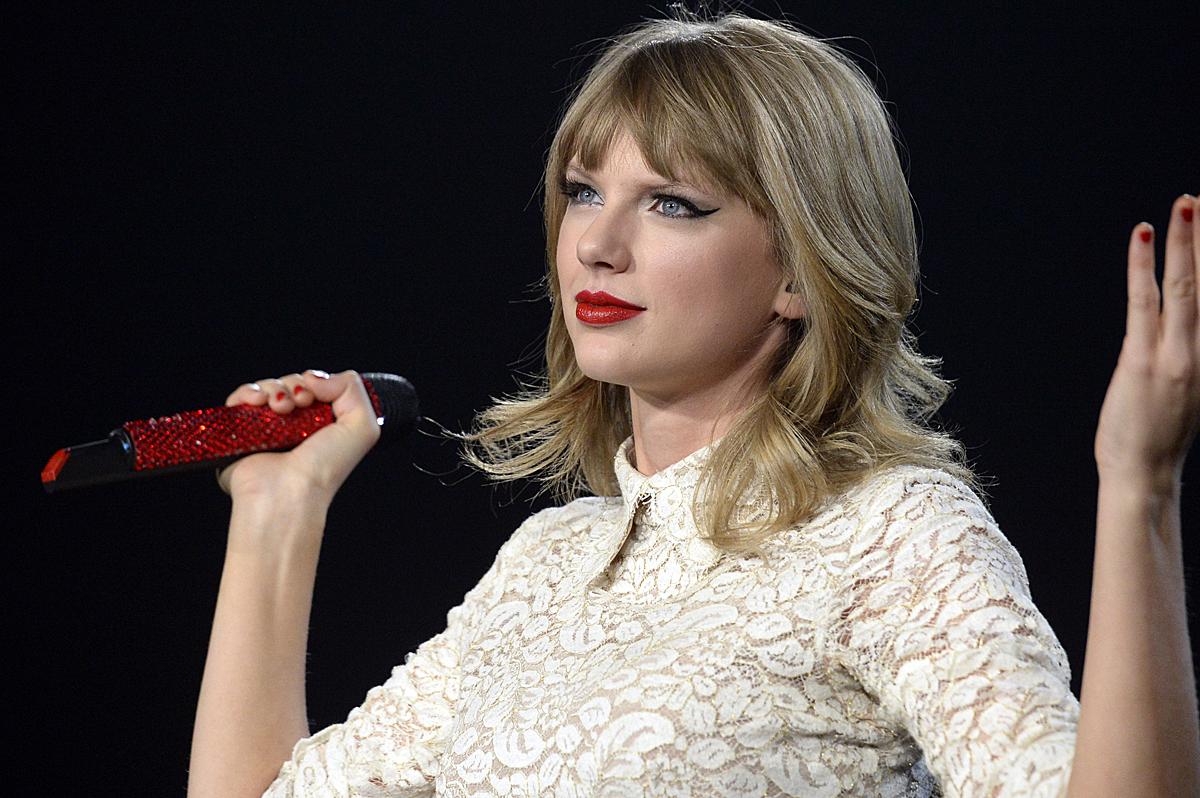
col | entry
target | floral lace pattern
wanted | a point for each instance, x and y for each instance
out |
(888, 647)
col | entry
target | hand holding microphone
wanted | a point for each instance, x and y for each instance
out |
(325, 459)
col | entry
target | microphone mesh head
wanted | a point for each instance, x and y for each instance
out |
(395, 401)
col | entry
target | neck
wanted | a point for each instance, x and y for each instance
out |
(666, 430)
(663, 436)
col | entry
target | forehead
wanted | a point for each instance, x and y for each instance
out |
(621, 154)
(624, 154)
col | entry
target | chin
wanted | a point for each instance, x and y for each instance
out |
(614, 376)
(595, 354)
(611, 368)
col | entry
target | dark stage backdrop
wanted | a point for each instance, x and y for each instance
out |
(202, 196)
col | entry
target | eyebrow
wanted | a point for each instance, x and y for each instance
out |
(642, 187)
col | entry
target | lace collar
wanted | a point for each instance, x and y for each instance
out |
(682, 474)
(659, 506)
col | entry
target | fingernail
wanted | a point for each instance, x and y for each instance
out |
(279, 396)
(254, 386)
(298, 389)
(1187, 213)
(1146, 234)
(318, 373)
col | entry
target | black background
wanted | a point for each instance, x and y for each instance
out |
(202, 196)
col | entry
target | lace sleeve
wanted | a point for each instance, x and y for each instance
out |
(390, 745)
(936, 621)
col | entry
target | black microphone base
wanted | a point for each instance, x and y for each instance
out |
(103, 461)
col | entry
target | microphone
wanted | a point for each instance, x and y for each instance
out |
(216, 436)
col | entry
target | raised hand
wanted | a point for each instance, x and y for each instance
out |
(251, 709)
(1152, 408)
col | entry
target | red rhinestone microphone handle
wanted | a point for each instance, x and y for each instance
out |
(219, 433)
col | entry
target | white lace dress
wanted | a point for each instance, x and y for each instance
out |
(889, 647)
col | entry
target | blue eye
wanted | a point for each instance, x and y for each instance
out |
(670, 206)
(665, 203)
(574, 191)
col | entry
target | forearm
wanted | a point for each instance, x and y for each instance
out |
(1138, 731)
(251, 709)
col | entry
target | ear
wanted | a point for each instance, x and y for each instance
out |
(788, 303)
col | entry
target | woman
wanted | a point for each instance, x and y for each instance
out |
(785, 583)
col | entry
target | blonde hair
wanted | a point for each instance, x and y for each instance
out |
(793, 127)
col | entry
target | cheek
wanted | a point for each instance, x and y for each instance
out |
(565, 259)
(711, 288)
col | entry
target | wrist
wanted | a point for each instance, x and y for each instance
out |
(281, 520)
(1143, 482)
(1138, 508)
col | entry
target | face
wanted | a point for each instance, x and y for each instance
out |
(695, 261)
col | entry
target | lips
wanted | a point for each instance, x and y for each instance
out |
(599, 307)
(605, 298)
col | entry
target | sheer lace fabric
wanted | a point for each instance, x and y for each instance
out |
(888, 647)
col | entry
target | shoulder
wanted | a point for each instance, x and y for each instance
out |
(907, 497)
(921, 520)
(898, 492)
(912, 492)
(898, 515)
(572, 517)
(569, 521)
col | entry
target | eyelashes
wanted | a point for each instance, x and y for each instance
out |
(572, 188)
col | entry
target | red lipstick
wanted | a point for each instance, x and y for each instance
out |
(599, 307)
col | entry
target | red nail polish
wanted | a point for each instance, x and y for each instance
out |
(1187, 214)
(298, 389)
(279, 396)
(1145, 236)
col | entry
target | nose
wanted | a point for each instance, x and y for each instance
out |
(604, 243)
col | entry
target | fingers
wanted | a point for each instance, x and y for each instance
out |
(1180, 301)
(249, 393)
(283, 394)
(1141, 321)
(345, 391)
(1179, 274)
(351, 404)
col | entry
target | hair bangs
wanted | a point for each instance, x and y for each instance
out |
(681, 130)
